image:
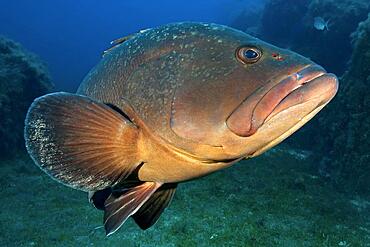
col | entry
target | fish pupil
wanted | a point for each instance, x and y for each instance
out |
(251, 54)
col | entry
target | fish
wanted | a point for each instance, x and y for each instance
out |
(169, 105)
(320, 24)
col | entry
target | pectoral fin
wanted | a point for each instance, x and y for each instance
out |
(115, 43)
(80, 142)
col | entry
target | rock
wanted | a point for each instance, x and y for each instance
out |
(22, 78)
(332, 48)
(248, 20)
(347, 120)
(282, 20)
(339, 136)
(289, 23)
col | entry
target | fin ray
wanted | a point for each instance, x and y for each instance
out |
(80, 142)
(119, 209)
(149, 213)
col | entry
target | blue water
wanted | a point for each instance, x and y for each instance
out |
(71, 34)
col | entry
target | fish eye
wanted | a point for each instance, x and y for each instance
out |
(248, 54)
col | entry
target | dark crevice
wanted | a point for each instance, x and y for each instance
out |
(115, 108)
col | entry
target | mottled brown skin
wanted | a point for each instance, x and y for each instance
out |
(168, 105)
(180, 83)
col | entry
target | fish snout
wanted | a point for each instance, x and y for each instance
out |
(310, 82)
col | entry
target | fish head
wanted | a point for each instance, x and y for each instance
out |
(241, 96)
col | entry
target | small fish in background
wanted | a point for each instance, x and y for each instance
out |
(320, 24)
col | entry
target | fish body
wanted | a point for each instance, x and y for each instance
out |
(320, 24)
(168, 105)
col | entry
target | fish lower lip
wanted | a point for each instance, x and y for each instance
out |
(258, 108)
(272, 99)
(323, 86)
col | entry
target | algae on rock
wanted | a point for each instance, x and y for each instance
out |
(22, 78)
(289, 24)
(347, 122)
(340, 134)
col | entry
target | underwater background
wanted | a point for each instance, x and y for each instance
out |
(311, 190)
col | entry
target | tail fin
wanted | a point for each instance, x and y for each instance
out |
(80, 142)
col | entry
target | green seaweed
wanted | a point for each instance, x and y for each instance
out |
(277, 199)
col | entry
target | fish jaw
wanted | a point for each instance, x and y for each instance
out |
(281, 109)
(323, 88)
(297, 109)
(266, 102)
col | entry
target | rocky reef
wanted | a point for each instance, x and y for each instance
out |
(289, 24)
(248, 20)
(347, 121)
(282, 21)
(331, 48)
(340, 135)
(23, 77)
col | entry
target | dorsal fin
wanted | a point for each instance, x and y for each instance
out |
(115, 43)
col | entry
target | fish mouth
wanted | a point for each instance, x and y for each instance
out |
(310, 82)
